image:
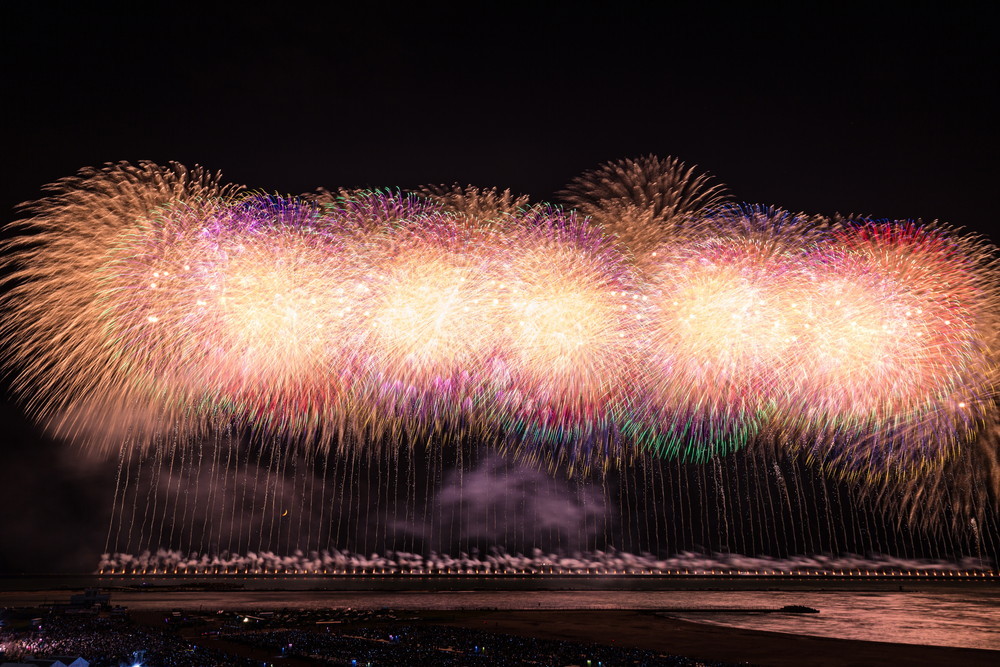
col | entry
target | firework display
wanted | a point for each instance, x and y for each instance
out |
(644, 200)
(870, 342)
(147, 300)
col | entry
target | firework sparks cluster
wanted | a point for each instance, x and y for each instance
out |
(149, 300)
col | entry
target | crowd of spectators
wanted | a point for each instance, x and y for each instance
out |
(356, 638)
(289, 617)
(399, 645)
(107, 641)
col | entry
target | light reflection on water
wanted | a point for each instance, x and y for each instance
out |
(965, 620)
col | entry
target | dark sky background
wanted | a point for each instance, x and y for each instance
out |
(891, 113)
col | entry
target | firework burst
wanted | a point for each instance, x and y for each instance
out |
(76, 370)
(642, 201)
(473, 202)
(146, 300)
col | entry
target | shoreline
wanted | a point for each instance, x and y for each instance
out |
(701, 641)
(647, 624)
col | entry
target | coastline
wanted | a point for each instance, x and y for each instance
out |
(707, 642)
(584, 616)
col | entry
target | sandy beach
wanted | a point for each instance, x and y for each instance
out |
(707, 642)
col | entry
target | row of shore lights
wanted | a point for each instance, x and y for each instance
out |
(446, 571)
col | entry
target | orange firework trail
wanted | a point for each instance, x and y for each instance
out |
(642, 201)
(146, 300)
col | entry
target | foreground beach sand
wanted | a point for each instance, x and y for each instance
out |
(707, 642)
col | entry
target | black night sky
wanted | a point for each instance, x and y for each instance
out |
(890, 113)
